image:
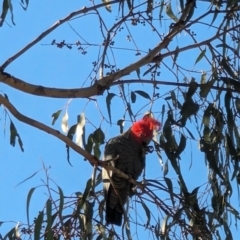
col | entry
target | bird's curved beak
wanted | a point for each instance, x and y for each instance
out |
(147, 140)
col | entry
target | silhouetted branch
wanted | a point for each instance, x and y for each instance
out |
(84, 10)
(34, 123)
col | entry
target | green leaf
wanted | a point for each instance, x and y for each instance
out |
(143, 94)
(176, 52)
(205, 88)
(170, 13)
(227, 231)
(55, 116)
(129, 2)
(89, 144)
(100, 212)
(189, 108)
(108, 102)
(13, 135)
(49, 234)
(11, 10)
(230, 119)
(26, 2)
(10, 235)
(191, 12)
(72, 131)
(214, 17)
(61, 201)
(5, 8)
(150, 69)
(120, 123)
(157, 230)
(28, 177)
(49, 219)
(96, 150)
(165, 168)
(162, 4)
(192, 198)
(7, 5)
(231, 82)
(98, 136)
(213, 164)
(163, 111)
(201, 55)
(38, 226)
(28, 202)
(228, 68)
(192, 88)
(181, 146)
(133, 97)
(85, 194)
(98, 179)
(88, 211)
(170, 188)
(207, 115)
(174, 99)
(138, 73)
(108, 6)
(70, 135)
(20, 143)
(147, 211)
(149, 7)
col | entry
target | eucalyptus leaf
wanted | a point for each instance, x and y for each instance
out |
(38, 226)
(55, 116)
(201, 55)
(170, 13)
(64, 124)
(108, 102)
(143, 94)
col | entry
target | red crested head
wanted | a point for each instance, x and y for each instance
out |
(142, 130)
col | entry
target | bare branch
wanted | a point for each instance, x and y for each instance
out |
(49, 92)
(45, 128)
(34, 123)
(178, 84)
(100, 85)
(84, 10)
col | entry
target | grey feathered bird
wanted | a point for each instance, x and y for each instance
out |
(131, 160)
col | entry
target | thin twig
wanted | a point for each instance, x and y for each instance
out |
(84, 10)
(92, 159)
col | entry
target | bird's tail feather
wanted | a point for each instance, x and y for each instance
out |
(113, 216)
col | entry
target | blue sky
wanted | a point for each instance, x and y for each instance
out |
(50, 66)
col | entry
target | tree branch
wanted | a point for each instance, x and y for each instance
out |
(45, 128)
(50, 92)
(102, 84)
(236, 89)
(34, 123)
(84, 10)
